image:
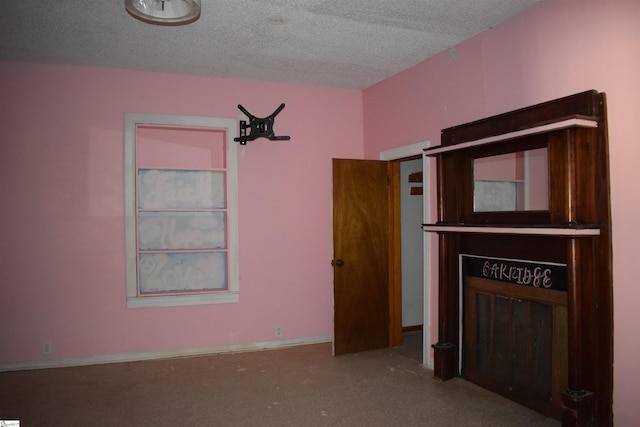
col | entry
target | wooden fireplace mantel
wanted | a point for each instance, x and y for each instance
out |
(575, 231)
(538, 128)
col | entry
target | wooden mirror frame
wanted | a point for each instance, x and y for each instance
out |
(467, 214)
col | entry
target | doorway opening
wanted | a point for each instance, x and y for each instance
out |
(412, 256)
(367, 255)
(414, 247)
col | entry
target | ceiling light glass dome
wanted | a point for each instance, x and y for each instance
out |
(164, 12)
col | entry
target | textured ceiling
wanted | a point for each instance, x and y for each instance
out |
(338, 43)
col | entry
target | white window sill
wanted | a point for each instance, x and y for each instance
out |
(180, 300)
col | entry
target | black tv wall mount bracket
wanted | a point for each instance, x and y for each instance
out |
(259, 127)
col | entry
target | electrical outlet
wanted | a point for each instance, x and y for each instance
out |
(278, 331)
(46, 347)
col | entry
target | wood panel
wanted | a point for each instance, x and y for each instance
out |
(581, 104)
(361, 255)
(395, 250)
(515, 342)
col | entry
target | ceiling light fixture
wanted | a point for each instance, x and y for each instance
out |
(164, 12)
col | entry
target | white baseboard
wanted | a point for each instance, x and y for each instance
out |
(135, 357)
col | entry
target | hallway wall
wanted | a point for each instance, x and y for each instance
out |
(411, 245)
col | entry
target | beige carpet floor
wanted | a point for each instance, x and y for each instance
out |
(298, 386)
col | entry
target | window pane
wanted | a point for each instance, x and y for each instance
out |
(181, 230)
(179, 189)
(180, 147)
(182, 272)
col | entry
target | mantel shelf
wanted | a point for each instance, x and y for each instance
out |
(565, 123)
(560, 231)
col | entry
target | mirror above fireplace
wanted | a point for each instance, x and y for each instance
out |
(511, 182)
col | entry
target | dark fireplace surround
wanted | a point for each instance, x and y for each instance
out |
(482, 321)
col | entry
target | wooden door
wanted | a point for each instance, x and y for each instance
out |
(362, 213)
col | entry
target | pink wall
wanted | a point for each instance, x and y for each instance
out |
(62, 226)
(62, 167)
(556, 49)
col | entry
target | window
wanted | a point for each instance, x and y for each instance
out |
(181, 210)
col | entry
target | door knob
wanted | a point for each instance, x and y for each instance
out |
(337, 263)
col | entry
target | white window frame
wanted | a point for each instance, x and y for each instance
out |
(232, 293)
